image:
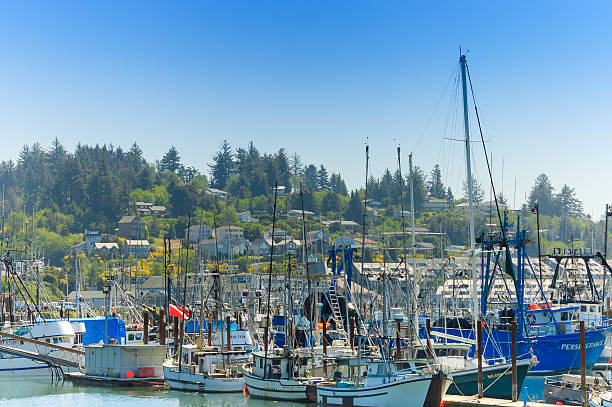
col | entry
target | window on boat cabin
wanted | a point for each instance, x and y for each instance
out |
(564, 316)
(583, 308)
(130, 337)
(55, 340)
(260, 363)
(139, 336)
(593, 308)
(276, 362)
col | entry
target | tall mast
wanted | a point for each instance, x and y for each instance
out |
(468, 164)
(414, 269)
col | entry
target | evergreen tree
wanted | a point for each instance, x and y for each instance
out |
(330, 203)
(542, 193)
(223, 166)
(296, 165)
(322, 179)
(477, 192)
(450, 198)
(435, 187)
(171, 161)
(354, 210)
(566, 203)
(337, 185)
(310, 177)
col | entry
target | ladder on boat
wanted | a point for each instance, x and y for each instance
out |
(337, 312)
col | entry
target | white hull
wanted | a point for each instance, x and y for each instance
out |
(275, 389)
(410, 392)
(198, 382)
(14, 366)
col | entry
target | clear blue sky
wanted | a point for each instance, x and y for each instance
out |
(318, 78)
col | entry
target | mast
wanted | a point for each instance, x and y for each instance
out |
(314, 301)
(414, 270)
(266, 332)
(468, 162)
(363, 232)
(401, 197)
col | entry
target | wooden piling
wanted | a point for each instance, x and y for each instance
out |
(162, 326)
(428, 329)
(145, 327)
(479, 354)
(175, 333)
(398, 342)
(514, 376)
(210, 321)
(324, 346)
(583, 366)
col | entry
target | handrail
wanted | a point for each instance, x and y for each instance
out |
(42, 343)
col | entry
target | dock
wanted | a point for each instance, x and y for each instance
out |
(450, 400)
(89, 380)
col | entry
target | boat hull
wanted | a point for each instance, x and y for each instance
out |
(275, 389)
(186, 381)
(496, 380)
(413, 392)
(554, 353)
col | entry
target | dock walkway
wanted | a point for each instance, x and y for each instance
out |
(468, 401)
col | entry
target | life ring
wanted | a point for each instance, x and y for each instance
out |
(531, 319)
(276, 370)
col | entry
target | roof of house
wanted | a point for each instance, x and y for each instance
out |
(216, 191)
(108, 246)
(229, 228)
(142, 242)
(81, 245)
(144, 203)
(158, 208)
(86, 295)
(128, 219)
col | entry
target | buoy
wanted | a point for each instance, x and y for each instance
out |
(442, 403)
(129, 374)
(559, 403)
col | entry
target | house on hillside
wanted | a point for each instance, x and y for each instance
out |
(137, 248)
(196, 233)
(435, 204)
(245, 217)
(217, 193)
(110, 249)
(158, 210)
(95, 299)
(297, 214)
(235, 247)
(230, 232)
(130, 227)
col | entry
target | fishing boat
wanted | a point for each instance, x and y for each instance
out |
(60, 334)
(204, 370)
(386, 386)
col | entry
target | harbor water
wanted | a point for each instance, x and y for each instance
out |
(41, 392)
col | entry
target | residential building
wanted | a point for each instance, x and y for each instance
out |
(217, 193)
(435, 204)
(143, 208)
(110, 249)
(158, 210)
(95, 299)
(226, 247)
(245, 217)
(278, 234)
(231, 232)
(198, 232)
(297, 214)
(137, 248)
(130, 227)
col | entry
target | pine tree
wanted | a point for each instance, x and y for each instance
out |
(223, 166)
(354, 210)
(477, 192)
(296, 165)
(171, 161)
(450, 198)
(337, 185)
(322, 179)
(435, 187)
(542, 193)
(310, 177)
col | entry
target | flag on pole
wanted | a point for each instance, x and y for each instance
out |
(178, 312)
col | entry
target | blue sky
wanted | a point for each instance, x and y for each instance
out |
(319, 78)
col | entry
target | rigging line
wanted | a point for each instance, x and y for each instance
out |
(453, 72)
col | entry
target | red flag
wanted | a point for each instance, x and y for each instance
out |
(178, 312)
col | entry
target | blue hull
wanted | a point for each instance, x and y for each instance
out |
(554, 353)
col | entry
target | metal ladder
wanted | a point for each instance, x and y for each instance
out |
(337, 312)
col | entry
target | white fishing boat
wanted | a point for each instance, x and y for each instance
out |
(277, 376)
(386, 387)
(60, 334)
(204, 371)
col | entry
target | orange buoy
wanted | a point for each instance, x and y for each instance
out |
(559, 403)
(129, 374)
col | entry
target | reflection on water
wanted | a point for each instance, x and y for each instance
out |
(40, 392)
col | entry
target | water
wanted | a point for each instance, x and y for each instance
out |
(40, 392)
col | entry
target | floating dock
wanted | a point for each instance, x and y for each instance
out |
(450, 400)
